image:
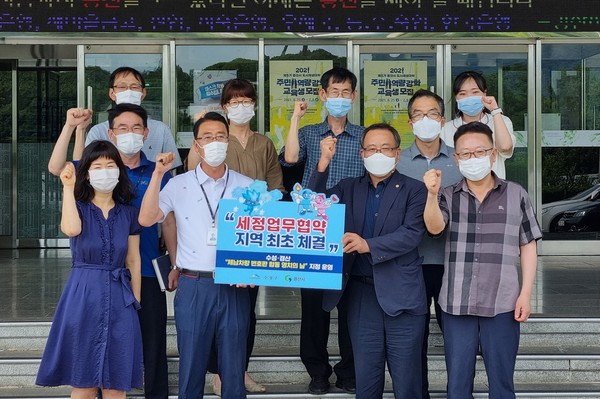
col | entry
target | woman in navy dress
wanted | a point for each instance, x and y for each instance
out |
(95, 339)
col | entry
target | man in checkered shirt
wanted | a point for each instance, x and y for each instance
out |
(338, 93)
(490, 227)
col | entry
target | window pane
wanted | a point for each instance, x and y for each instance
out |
(571, 141)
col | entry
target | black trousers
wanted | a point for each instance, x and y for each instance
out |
(432, 274)
(213, 365)
(314, 333)
(153, 322)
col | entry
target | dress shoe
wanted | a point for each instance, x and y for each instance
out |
(318, 385)
(347, 385)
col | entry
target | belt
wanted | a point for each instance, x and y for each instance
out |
(363, 279)
(197, 273)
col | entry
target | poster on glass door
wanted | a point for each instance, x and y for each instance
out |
(388, 85)
(291, 81)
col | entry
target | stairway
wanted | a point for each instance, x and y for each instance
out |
(558, 358)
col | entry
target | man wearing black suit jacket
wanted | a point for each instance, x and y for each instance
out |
(383, 280)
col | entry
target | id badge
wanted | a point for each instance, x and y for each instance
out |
(211, 237)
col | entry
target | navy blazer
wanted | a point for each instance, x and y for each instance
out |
(397, 273)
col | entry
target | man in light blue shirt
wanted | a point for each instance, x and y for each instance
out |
(127, 85)
(426, 113)
(205, 312)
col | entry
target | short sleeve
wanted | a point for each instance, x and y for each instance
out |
(530, 229)
(134, 226)
(97, 132)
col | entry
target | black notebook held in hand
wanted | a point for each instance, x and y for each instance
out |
(162, 267)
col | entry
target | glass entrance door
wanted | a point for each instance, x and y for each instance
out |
(570, 147)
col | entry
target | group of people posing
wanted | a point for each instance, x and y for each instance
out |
(434, 223)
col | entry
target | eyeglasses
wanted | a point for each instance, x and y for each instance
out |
(463, 156)
(235, 103)
(125, 86)
(337, 93)
(209, 139)
(431, 115)
(126, 129)
(388, 151)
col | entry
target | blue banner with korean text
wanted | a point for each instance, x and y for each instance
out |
(283, 244)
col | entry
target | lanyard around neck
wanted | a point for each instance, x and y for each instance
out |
(213, 215)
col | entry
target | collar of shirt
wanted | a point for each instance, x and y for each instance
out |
(203, 177)
(144, 161)
(351, 129)
(445, 150)
(462, 185)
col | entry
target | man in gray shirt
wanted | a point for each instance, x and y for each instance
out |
(127, 85)
(426, 118)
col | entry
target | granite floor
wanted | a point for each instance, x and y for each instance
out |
(31, 282)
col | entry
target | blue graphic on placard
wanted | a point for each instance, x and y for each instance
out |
(266, 242)
(255, 196)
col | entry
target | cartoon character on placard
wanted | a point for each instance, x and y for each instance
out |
(255, 196)
(308, 201)
(321, 203)
(304, 198)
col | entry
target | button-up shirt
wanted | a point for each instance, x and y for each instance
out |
(482, 247)
(363, 265)
(183, 195)
(414, 164)
(346, 162)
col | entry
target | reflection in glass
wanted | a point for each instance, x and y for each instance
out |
(5, 149)
(45, 94)
(570, 141)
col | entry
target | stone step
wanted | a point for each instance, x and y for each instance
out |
(20, 371)
(552, 350)
(538, 332)
(298, 391)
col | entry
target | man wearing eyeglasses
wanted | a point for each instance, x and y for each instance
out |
(127, 85)
(426, 119)
(382, 280)
(205, 312)
(338, 93)
(490, 226)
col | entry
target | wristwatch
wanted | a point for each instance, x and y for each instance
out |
(174, 267)
(496, 111)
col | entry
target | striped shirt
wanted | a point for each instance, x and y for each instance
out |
(482, 247)
(346, 162)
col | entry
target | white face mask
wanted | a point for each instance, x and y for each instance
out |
(427, 129)
(130, 143)
(104, 180)
(379, 165)
(215, 153)
(241, 114)
(129, 97)
(475, 169)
